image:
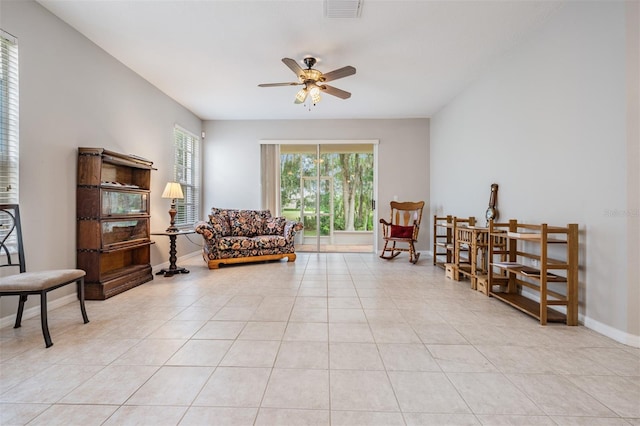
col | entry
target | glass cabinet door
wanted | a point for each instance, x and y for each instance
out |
(116, 232)
(124, 203)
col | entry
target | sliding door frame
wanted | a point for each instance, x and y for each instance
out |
(318, 143)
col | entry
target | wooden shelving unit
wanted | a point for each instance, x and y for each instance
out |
(525, 262)
(112, 210)
(442, 240)
(481, 267)
(444, 231)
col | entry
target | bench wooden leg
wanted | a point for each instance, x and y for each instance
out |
(81, 296)
(43, 319)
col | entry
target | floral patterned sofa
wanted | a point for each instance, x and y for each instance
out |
(240, 236)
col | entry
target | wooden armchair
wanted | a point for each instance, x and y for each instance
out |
(403, 228)
(28, 283)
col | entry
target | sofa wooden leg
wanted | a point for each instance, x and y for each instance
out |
(215, 263)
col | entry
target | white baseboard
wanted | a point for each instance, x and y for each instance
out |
(164, 265)
(606, 330)
(615, 334)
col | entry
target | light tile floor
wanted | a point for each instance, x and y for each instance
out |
(332, 339)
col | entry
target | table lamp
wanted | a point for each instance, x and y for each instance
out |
(173, 190)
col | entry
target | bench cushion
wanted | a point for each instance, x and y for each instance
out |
(37, 281)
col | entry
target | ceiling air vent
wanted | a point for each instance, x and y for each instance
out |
(342, 8)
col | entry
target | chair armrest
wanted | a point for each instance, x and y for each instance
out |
(416, 229)
(386, 227)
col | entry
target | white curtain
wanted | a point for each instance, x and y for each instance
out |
(270, 172)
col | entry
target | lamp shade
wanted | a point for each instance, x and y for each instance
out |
(172, 190)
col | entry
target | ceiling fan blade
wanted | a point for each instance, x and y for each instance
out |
(339, 73)
(278, 84)
(293, 65)
(335, 91)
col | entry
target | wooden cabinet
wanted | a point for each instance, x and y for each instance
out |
(113, 230)
(540, 260)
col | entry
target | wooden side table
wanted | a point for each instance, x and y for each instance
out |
(173, 269)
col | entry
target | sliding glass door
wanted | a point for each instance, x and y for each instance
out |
(330, 188)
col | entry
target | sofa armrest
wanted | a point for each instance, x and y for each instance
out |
(210, 236)
(206, 230)
(290, 229)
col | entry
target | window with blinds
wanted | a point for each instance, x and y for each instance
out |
(187, 173)
(8, 118)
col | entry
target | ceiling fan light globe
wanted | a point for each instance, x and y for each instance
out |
(315, 94)
(301, 96)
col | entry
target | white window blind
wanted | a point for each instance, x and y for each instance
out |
(8, 118)
(187, 173)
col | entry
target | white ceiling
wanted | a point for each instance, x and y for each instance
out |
(412, 57)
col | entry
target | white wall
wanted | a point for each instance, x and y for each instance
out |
(633, 162)
(548, 123)
(232, 158)
(74, 94)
